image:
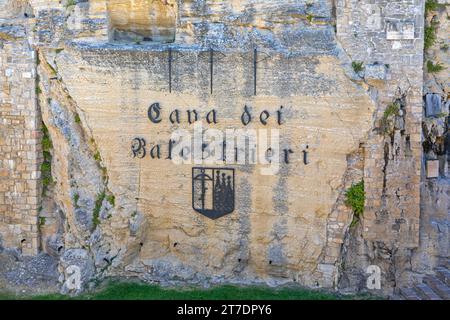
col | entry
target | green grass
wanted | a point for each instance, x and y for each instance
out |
(140, 291)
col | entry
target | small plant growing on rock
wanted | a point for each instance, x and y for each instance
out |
(434, 67)
(75, 199)
(111, 199)
(77, 118)
(391, 111)
(97, 157)
(38, 88)
(137, 40)
(357, 66)
(46, 166)
(97, 207)
(429, 37)
(355, 199)
(432, 5)
(41, 221)
(70, 3)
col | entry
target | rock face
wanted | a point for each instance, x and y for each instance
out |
(136, 20)
(117, 82)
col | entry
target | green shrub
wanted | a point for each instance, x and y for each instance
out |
(355, 199)
(357, 66)
(434, 67)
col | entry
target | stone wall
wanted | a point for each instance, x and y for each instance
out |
(435, 188)
(387, 37)
(19, 141)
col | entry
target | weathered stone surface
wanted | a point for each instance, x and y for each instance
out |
(432, 168)
(103, 63)
(26, 275)
(434, 105)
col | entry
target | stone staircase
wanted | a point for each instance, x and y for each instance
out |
(435, 287)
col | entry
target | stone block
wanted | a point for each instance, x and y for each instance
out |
(433, 105)
(432, 169)
(399, 30)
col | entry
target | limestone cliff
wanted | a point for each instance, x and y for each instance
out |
(344, 79)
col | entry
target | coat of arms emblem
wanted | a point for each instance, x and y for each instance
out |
(213, 191)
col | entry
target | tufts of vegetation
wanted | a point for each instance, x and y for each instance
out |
(97, 207)
(70, 3)
(42, 221)
(121, 290)
(434, 67)
(111, 199)
(432, 5)
(137, 40)
(75, 199)
(444, 47)
(391, 111)
(357, 66)
(97, 157)
(355, 199)
(77, 118)
(46, 166)
(429, 37)
(38, 88)
(309, 17)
